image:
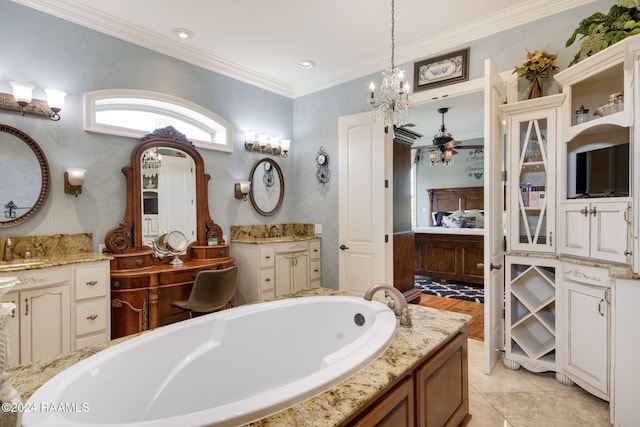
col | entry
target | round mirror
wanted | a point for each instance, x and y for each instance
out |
(168, 192)
(171, 243)
(26, 184)
(267, 187)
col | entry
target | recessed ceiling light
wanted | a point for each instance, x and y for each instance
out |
(183, 33)
(306, 64)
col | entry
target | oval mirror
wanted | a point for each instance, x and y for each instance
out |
(26, 184)
(168, 193)
(267, 187)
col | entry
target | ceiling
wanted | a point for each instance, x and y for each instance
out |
(261, 42)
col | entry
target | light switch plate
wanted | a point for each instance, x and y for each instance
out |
(317, 228)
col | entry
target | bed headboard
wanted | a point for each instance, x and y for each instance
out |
(452, 199)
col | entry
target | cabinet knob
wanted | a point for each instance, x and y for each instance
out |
(343, 247)
(116, 284)
(139, 261)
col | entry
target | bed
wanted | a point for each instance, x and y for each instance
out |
(451, 249)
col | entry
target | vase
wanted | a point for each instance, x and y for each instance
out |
(535, 89)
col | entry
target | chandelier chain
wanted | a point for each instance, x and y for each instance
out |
(393, 34)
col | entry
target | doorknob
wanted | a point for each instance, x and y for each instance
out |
(492, 266)
(343, 247)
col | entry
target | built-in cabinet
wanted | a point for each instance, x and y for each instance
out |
(586, 312)
(267, 270)
(58, 309)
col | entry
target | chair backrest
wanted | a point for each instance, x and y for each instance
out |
(212, 289)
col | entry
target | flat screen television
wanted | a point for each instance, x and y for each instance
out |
(603, 172)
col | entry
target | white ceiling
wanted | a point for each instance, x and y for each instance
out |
(261, 41)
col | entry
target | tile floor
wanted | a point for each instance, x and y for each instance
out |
(509, 398)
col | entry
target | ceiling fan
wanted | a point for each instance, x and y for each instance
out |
(444, 143)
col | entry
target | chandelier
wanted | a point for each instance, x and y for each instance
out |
(443, 142)
(392, 103)
(151, 162)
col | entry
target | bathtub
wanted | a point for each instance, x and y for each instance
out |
(222, 369)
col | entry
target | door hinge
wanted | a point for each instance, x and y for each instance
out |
(504, 176)
(386, 238)
(386, 183)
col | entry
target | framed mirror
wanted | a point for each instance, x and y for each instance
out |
(267, 187)
(167, 189)
(27, 182)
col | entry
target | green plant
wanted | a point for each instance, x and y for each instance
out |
(600, 30)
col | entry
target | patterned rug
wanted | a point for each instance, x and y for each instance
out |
(451, 290)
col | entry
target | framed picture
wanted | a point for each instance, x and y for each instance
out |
(441, 70)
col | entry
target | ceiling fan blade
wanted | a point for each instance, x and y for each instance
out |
(470, 147)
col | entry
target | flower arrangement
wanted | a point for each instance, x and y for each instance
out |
(537, 67)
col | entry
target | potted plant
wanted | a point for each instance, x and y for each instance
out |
(600, 30)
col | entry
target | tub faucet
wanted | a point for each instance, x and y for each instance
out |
(398, 304)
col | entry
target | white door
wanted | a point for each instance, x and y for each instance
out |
(493, 206)
(362, 203)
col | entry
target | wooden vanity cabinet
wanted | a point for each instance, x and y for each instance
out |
(433, 394)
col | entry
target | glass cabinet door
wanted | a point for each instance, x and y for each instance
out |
(532, 181)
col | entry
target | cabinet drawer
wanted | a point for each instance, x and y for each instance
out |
(266, 257)
(91, 282)
(314, 249)
(128, 262)
(594, 276)
(91, 340)
(91, 317)
(314, 272)
(267, 281)
(130, 282)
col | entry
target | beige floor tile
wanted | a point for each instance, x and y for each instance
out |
(483, 414)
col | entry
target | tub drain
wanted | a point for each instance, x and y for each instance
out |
(359, 319)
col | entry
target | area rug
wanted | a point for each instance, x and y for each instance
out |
(451, 290)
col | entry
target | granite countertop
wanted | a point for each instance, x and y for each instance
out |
(20, 264)
(262, 240)
(430, 328)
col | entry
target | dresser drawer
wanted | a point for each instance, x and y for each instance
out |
(266, 257)
(132, 261)
(91, 282)
(314, 250)
(130, 282)
(267, 281)
(314, 270)
(91, 317)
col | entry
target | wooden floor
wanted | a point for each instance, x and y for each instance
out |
(473, 309)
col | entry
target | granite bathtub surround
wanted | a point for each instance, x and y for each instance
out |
(255, 232)
(430, 328)
(50, 245)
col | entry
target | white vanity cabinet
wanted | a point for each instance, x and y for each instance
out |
(267, 270)
(598, 230)
(586, 308)
(58, 309)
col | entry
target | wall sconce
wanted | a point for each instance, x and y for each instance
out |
(73, 180)
(266, 145)
(242, 189)
(23, 102)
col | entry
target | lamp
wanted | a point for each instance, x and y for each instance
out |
(266, 144)
(23, 102)
(73, 180)
(242, 189)
(443, 142)
(393, 100)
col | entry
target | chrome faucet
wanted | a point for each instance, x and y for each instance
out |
(7, 254)
(271, 231)
(398, 304)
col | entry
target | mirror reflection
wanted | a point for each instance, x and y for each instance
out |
(26, 187)
(168, 193)
(267, 186)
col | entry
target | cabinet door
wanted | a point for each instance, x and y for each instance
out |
(532, 196)
(442, 390)
(586, 347)
(395, 410)
(609, 231)
(574, 234)
(129, 312)
(44, 323)
(300, 271)
(14, 328)
(284, 264)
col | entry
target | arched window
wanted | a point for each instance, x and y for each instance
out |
(135, 113)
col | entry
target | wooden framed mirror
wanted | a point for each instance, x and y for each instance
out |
(28, 180)
(267, 187)
(164, 146)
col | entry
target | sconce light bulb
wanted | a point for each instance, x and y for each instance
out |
(55, 99)
(22, 92)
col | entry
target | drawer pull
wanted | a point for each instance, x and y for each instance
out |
(92, 317)
(92, 283)
(268, 257)
(315, 270)
(26, 306)
(268, 279)
(139, 261)
(116, 284)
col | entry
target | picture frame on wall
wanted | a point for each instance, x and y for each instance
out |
(441, 70)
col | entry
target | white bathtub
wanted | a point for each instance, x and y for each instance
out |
(227, 368)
